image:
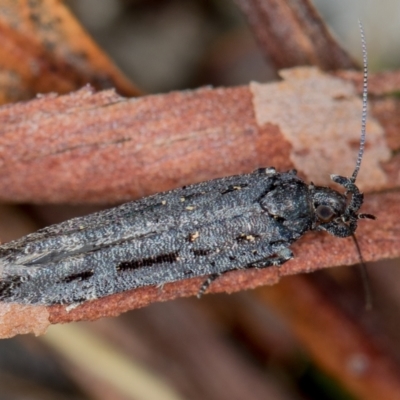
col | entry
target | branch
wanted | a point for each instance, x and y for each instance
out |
(378, 240)
(102, 136)
(292, 33)
(102, 148)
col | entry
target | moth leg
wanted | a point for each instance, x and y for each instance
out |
(207, 283)
(276, 260)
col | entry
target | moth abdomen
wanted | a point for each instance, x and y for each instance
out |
(196, 231)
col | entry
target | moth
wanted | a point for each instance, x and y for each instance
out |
(206, 229)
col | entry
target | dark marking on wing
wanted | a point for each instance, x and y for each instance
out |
(81, 276)
(148, 262)
(232, 188)
(202, 252)
(247, 238)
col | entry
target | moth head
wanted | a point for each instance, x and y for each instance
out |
(335, 212)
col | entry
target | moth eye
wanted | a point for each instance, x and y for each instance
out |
(325, 213)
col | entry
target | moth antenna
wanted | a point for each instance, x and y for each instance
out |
(364, 276)
(364, 102)
(363, 267)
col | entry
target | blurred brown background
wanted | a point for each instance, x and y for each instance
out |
(321, 344)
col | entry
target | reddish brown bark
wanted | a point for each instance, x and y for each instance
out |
(101, 148)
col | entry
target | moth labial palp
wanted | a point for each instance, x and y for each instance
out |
(201, 230)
